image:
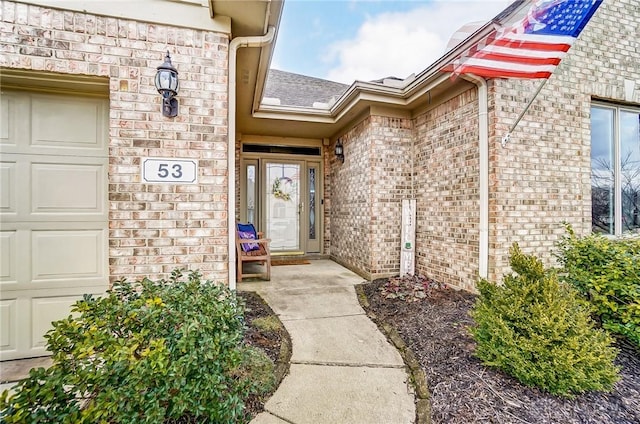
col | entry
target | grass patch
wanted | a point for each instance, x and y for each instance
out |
(269, 324)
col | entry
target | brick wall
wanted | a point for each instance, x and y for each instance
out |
(446, 169)
(364, 195)
(391, 181)
(152, 228)
(350, 204)
(542, 177)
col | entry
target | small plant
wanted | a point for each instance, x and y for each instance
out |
(409, 288)
(147, 352)
(607, 273)
(539, 330)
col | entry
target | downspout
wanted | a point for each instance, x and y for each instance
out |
(236, 43)
(483, 139)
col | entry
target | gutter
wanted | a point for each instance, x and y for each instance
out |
(483, 135)
(236, 43)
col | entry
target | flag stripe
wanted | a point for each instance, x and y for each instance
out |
(544, 39)
(533, 45)
(507, 58)
(498, 64)
(500, 50)
(501, 73)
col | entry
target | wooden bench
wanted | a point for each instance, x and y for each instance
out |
(262, 255)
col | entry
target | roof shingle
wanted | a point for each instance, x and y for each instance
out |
(300, 90)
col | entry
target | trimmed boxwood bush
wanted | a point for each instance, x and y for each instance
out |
(539, 330)
(607, 272)
(147, 352)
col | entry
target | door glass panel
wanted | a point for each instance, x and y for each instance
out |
(630, 169)
(312, 204)
(251, 194)
(313, 217)
(282, 206)
(602, 170)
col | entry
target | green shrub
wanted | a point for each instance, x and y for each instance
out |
(148, 352)
(539, 330)
(607, 272)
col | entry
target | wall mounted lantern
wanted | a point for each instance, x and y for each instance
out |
(340, 151)
(167, 84)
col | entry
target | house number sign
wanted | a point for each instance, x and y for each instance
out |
(169, 171)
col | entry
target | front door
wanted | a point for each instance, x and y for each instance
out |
(283, 205)
(282, 197)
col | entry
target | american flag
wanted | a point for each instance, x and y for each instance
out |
(531, 47)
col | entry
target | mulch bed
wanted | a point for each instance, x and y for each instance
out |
(270, 342)
(463, 391)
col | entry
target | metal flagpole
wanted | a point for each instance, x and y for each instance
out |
(507, 136)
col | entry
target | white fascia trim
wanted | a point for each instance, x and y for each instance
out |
(315, 118)
(305, 112)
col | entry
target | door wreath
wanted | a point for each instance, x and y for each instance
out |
(282, 190)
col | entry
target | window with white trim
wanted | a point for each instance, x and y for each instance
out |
(615, 169)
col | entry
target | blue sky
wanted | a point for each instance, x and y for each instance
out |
(348, 40)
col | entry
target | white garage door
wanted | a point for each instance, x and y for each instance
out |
(53, 211)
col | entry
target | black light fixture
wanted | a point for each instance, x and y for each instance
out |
(167, 84)
(339, 151)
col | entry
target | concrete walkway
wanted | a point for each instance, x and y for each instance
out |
(13, 371)
(343, 370)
